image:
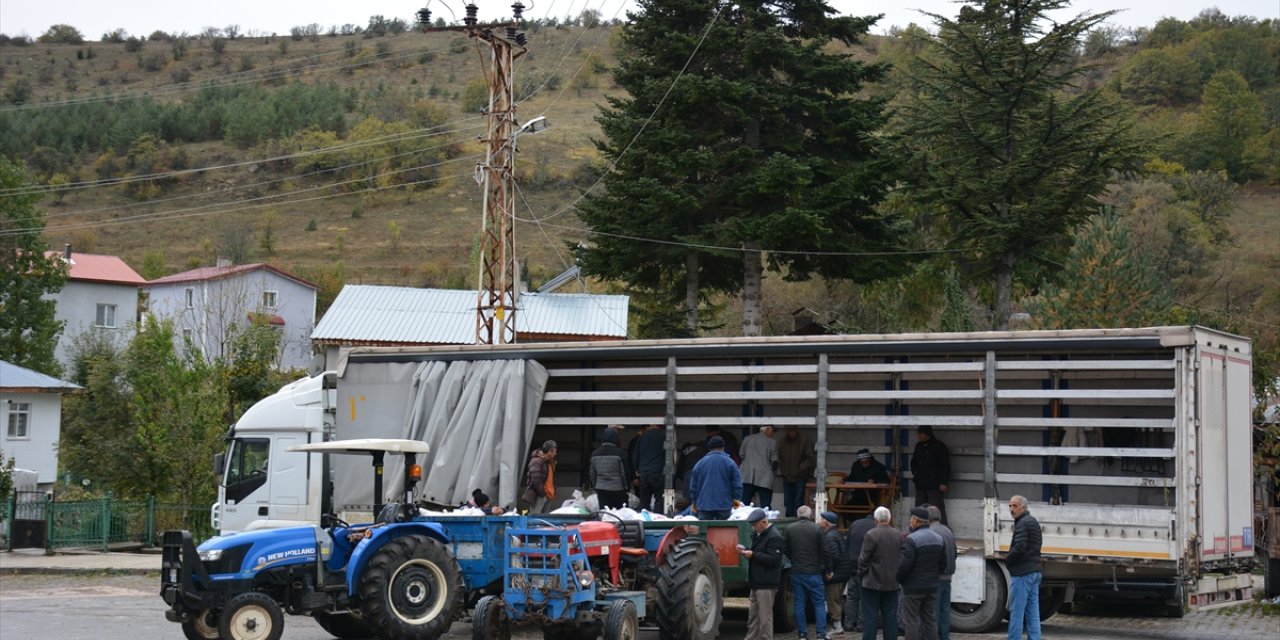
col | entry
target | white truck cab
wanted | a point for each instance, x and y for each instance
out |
(264, 484)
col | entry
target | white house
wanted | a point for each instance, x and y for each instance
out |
(101, 296)
(205, 305)
(31, 418)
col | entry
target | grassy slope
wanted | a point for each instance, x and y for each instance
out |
(438, 227)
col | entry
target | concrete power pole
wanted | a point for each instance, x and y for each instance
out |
(498, 296)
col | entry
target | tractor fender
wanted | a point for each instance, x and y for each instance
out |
(675, 535)
(369, 547)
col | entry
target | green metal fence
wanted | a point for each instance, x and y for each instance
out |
(96, 524)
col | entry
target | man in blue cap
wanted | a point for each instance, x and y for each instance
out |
(715, 485)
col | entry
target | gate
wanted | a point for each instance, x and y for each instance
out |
(28, 525)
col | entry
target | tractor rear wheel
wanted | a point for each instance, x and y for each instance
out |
(690, 592)
(411, 589)
(202, 626)
(621, 622)
(344, 626)
(251, 616)
(490, 621)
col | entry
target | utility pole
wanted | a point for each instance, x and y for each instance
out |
(497, 300)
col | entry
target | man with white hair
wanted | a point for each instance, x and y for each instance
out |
(1023, 562)
(878, 575)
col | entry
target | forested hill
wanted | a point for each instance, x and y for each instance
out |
(348, 154)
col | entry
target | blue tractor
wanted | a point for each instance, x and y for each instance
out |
(393, 578)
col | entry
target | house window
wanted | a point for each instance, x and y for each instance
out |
(19, 419)
(186, 335)
(268, 299)
(106, 317)
(191, 298)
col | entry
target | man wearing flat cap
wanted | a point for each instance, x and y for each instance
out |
(764, 574)
(837, 568)
(866, 469)
(715, 483)
(921, 565)
(931, 469)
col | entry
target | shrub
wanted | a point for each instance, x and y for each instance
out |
(311, 225)
(134, 45)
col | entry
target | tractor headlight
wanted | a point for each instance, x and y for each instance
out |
(585, 577)
(211, 555)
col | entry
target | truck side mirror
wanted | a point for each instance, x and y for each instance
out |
(218, 460)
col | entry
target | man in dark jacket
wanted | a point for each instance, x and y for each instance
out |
(764, 574)
(803, 540)
(1023, 562)
(534, 499)
(923, 561)
(858, 530)
(714, 483)
(610, 473)
(837, 567)
(648, 460)
(690, 454)
(866, 469)
(931, 469)
(944, 581)
(878, 575)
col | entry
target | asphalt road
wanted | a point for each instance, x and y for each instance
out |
(83, 607)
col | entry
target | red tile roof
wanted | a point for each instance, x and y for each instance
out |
(88, 267)
(217, 273)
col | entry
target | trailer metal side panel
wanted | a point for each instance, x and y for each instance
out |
(1226, 456)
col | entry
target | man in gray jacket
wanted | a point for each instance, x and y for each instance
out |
(803, 540)
(944, 581)
(759, 453)
(610, 473)
(878, 573)
(923, 561)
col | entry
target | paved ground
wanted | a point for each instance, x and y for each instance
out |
(91, 596)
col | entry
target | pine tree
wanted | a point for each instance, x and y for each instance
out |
(759, 143)
(28, 328)
(1107, 281)
(995, 138)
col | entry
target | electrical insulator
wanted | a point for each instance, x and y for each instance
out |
(521, 39)
(517, 10)
(424, 17)
(511, 33)
(472, 15)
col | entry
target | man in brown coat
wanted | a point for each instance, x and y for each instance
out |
(878, 575)
(797, 459)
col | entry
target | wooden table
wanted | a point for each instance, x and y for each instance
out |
(888, 492)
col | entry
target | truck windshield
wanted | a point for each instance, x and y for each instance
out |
(247, 468)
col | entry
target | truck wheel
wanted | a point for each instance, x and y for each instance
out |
(1051, 599)
(981, 618)
(202, 626)
(251, 616)
(344, 625)
(690, 592)
(784, 606)
(490, 621)
(621, 622)
(411, 589)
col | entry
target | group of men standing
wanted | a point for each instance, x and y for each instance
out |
(891, 578)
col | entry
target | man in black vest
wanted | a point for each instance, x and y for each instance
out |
(764, 574)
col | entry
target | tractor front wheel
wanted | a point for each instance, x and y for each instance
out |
(490, 621)
(251, 616)
(621, 622)
(411, 589)
(202, 626)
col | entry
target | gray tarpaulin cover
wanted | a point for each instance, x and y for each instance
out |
(478, 418)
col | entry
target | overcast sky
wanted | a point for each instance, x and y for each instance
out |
(141, 17)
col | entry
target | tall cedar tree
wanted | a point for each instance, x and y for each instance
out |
(998, 138)
(762, 145)
(28, 328)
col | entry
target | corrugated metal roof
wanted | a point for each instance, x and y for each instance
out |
(217, 273)
(14, 377)
(365, 314)
(91, 267)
